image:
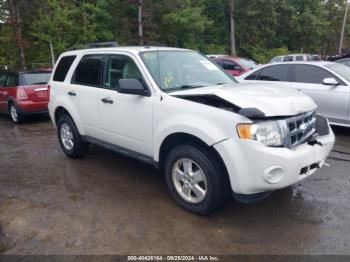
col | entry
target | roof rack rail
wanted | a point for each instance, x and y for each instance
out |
(94, 45)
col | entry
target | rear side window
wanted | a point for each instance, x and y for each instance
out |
(275, 73)
(253, 76)
(63, 68)
(12, 80)
(310, 74)
(229, 65)
(88, 71)
(299, 58)
(28, 79)
(288, 58)
(2, 79)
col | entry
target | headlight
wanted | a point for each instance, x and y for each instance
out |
(269, 132)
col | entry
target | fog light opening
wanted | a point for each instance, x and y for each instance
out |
(273, 175)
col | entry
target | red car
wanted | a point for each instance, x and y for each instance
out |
(235, 66)
(24, 93)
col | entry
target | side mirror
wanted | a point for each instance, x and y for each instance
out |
(330, 82)
(132, 87)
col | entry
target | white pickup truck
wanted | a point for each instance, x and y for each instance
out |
(177, 110)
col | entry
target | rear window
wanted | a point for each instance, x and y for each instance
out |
(63, 68)
(28, 79)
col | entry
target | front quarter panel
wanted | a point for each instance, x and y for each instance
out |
(209, 124)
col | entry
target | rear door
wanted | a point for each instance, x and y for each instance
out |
(9, 90)
(83, 91)
(332, 101)
(125, 119)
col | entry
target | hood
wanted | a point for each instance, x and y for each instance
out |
(271, 99)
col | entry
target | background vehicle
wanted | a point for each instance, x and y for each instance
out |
(235, 65)
(179, 111)
(327, 83)
(344, 61)
(24, 93)
(291, 57)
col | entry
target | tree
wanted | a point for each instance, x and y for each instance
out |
(16, 22)
(232, 28)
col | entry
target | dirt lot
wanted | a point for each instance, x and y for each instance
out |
(109, 204)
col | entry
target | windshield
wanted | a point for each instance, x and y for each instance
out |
(342, 70)
(41, 78)
(250, 64)
(176, 70)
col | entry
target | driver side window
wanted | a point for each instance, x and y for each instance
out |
(120, 67)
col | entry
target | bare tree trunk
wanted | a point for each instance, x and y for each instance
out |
(16, 23)
(52, 54)
(232, 28)
(140, 3)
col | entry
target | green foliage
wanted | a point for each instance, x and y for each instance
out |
(263, 28)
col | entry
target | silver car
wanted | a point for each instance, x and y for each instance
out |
(327, 83)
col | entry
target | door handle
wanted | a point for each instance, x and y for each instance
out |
(107, 100)
(72, 93)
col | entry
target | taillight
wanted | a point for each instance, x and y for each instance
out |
(49, 92)
(21, 94)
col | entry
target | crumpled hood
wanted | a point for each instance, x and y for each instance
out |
(271, 99)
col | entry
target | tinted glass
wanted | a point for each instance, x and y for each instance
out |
(287, 58)
(88, 71)
(12, 80)
(275, 73)
(2, 79)
(299, 58)
(63, 68)
(120, 67)
(229, 65)
(253, 76)
(310, 74)
(35, 78)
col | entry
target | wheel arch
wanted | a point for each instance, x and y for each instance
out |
(61, 110)
(179, 138)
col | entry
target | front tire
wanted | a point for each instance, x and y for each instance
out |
(70, 140)
(195, 179)
(16, 114)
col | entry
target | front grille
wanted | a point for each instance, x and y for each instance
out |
(300, 129)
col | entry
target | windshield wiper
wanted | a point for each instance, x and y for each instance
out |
(184, 87)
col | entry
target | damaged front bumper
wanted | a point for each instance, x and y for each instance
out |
(255, 168)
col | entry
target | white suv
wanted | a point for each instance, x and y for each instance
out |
(177, 110)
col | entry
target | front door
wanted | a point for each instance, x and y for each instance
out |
(125, 120)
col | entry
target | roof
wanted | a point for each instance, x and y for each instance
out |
(320, 63)
(130, 49)
(27, 71)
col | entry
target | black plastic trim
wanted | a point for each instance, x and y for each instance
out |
(121, 150)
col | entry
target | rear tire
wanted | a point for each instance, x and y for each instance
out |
(16, 114)
(70, 140)
(213, 189)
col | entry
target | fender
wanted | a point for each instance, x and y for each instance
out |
(195, 125)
